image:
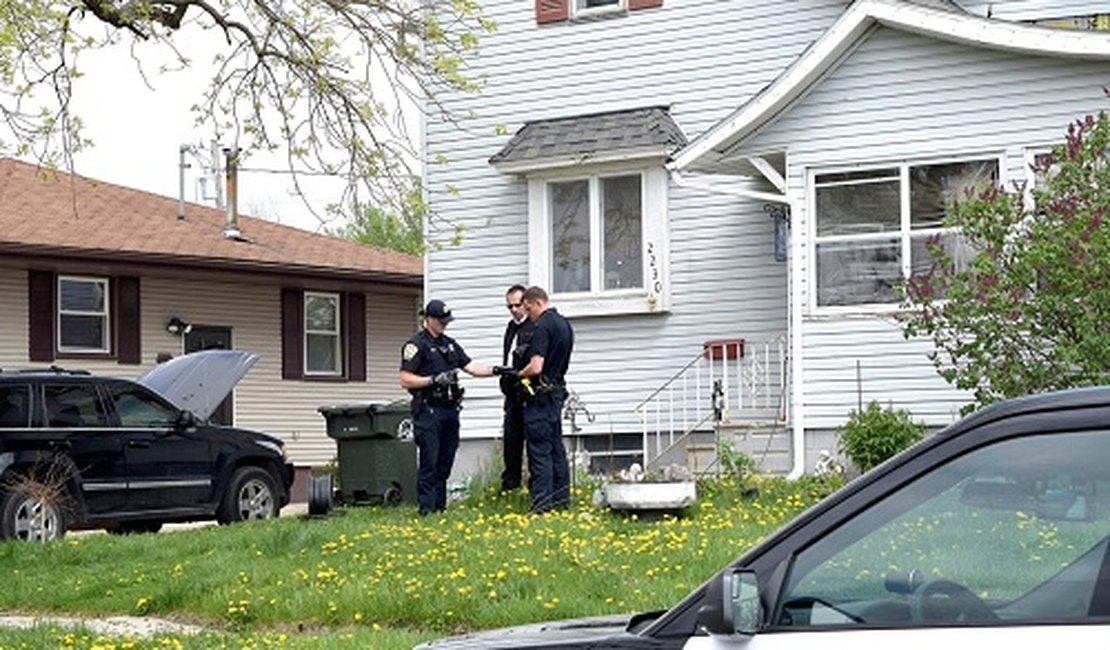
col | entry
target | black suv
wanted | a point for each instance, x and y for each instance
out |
(84, 451)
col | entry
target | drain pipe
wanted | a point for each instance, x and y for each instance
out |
(797, 428)
(231, 228)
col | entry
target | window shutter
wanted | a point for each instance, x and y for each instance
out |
(356, 336)
(552, 11)
(292, 334)
(643, 4)
(128, 330)
(40, 301)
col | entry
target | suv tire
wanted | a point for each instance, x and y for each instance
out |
(251, 494)
(30, 517)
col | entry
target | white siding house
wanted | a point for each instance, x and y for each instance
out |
(778, 101)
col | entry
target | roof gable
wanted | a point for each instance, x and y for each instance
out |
(44, 212)
(920, 17)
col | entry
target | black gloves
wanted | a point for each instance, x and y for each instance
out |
(446, 378)
(503, 370)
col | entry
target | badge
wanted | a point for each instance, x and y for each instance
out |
(409, 351)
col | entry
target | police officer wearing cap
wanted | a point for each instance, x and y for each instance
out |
(544, 378)
(430, 364)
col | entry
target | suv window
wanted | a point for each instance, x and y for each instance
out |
(15, 410)
(138, 409)
(1016, 531)
(73, 405)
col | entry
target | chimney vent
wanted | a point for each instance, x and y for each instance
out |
(231, 228)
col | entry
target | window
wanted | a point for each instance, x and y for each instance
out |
(15, 406)
(73, 406)
(873, 227)
(137, 409)
(1015, 532)
(321, 334)
(554, 11)
(597, 241)
(585, 8)
(83, 315)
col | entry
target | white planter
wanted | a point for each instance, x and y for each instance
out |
(671, 495)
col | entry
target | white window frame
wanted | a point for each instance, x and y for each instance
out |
(654, 296)
(337, 333)
(105, 314)
(580, 12)
(904, 233)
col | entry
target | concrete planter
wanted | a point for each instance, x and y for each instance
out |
(671, 495)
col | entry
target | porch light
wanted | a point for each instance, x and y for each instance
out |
(178, 327)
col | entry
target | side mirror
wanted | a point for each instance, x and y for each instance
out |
(185, 420)
(732, 604)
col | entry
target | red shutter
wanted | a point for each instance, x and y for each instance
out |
(292, 334)
(356, 336)
(552, 11)
(128, 332)
(40, 301)
(644, 4)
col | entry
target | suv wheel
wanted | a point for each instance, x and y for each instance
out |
(252, 494)
(30, 517)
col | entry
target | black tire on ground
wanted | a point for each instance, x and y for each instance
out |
(135, 528)
(393, 496)
(251, 494)
(31, 518)
(319, 495)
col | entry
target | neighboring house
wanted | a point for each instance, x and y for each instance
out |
(686, 174)
(112, 280)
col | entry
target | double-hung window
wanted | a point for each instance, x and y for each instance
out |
(322, 348)
(597, 240)
(83, 308)
(873, 226)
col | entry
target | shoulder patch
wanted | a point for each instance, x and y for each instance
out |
(409, 351)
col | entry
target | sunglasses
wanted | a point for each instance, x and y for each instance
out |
(513, 305)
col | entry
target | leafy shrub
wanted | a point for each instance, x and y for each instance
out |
(876, 433)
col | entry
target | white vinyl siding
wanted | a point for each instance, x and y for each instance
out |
(905, 98)
(1023, 10)
(723, 281)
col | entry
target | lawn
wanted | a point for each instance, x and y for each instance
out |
(386, 578)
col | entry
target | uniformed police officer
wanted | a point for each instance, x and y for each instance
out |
(430, 364)
(549, 356)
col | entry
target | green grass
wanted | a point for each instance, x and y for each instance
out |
(386, 578)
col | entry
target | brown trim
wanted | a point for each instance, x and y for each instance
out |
(128, 320)
(356, 336)
(40, 326)
(292, 334)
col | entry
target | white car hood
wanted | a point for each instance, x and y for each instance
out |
(199, 381)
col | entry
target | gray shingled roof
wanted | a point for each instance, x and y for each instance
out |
(591, 134)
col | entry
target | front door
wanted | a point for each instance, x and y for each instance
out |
(205, 337)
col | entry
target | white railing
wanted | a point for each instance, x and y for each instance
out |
(733, 382)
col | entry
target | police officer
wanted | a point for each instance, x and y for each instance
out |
(548, 358)
(518, 333)
(430, 364)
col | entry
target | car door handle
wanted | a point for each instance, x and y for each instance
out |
(140, 444)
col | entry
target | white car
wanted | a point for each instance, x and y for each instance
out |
(992, 533)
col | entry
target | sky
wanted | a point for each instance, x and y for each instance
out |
(138, 129)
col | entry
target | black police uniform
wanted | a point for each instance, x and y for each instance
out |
(549, 480)
(435, 414)
(514, 354)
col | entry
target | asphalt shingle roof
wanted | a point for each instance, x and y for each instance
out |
(589, 134)
(43, 212)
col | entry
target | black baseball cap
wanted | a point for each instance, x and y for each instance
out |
(438, 310)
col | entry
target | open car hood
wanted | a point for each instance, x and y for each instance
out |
(199, 381)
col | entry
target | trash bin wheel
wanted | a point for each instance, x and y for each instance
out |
(319, 495)
(392, 496)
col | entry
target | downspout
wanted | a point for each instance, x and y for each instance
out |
(794, 320)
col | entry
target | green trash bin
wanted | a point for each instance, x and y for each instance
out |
(375, 452)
